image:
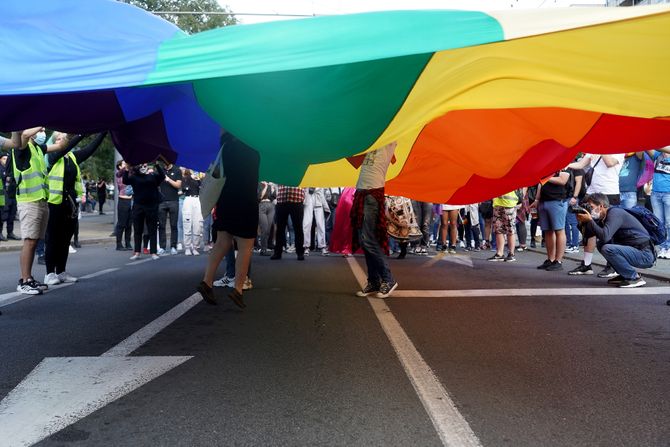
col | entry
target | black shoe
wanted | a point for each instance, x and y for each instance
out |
(510, 258)
(275, 256)
(386, 289)
(608, 272)
(556, 265)
(13, 237)
(76, 244)
(113, 234)
(369, 289)
(120, 248)
(544, 265)
(128, 248)
(264, 253)
(630, 283)
(496, 257)
(41, 261)
(237, 298)
(618, 279)
(401, 255)
(206, 292)
(582, 269)
(301, 257)
(2, 238)
(532, 244)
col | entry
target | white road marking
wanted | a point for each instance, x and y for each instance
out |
(60, 391)
(141, 261)
(143, 335)
(456, 259)
(451, 426)
(592, 291)
(100, 273)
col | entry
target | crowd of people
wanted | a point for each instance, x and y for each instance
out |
(590, 204)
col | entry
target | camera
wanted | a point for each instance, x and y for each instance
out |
(580, 209)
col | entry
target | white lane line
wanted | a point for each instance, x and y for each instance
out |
(100, 273)
(451, 426)
(147, 332)
(592, 291)
(142, 261)
(15, 297)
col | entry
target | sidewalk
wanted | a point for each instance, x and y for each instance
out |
(93, 229)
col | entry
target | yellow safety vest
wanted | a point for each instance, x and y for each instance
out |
(31, 184)
(56, 177)
(508, 200)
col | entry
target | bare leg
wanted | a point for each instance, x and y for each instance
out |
(560, 244)
(224, 242)
(27, 258)
(244, 249)
(444, 222)
(550, 243)
(453, 226)
(500, 244)
(511, 242)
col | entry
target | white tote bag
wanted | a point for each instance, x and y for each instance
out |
(212, 184)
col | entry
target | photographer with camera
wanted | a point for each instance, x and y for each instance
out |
(620, 237)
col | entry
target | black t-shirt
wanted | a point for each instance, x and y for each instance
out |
(169, 192)
(552, 191)
(190, 186)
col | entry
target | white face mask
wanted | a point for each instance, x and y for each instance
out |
(595, 215)
(40, 137)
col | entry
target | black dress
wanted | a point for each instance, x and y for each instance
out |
(237, 207)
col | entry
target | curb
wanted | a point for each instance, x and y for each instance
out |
(653, 275)
(101, 240)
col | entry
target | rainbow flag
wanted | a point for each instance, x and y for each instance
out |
(480, 103)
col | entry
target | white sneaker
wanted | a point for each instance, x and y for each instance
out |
(161, 252)
(306, 251)
(180, 247)
(51, 279)
(173, 251)
(324, 251)
(247, 284)
(28, 288)
(71, 249)
(187, 252)
(66, 277)
(224, 282)
(663, 253)
(155, 257)
(195, 252)
(135, 256)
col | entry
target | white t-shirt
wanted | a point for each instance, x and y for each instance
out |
(375, 165)
(605, 180)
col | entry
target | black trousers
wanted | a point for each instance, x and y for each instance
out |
(145, 214)
(171, 207)
(8, 215)
(282, 212)
(124, 223)
(60, 228)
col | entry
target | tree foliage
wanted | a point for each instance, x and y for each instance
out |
(190, 23)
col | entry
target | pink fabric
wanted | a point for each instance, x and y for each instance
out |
(340, 238)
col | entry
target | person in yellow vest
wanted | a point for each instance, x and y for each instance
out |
(504, 224)
(30, 172)
(64, 180)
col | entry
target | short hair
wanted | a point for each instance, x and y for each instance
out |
(118, 164)
(599, 198)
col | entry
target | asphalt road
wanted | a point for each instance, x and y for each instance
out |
(308, 363)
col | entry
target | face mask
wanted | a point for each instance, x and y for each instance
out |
(144, 170)
(40, 137)
(595, 215)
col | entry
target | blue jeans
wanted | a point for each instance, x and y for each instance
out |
(660, 202)
(378, 269)
(624, 259)
(628, 199)
(571, 230)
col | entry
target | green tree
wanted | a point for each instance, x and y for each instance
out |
(190, 23)
(101, 163)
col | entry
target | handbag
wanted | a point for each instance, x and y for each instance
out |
(588, 176)
(212, 185)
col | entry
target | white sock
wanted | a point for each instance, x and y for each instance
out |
(588, 257)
